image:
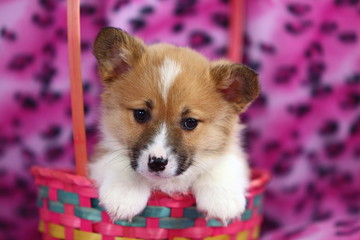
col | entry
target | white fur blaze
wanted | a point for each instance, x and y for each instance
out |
(169, 70)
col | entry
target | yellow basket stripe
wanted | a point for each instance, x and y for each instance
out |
(242, 235)
(256, 232)
(220, 237)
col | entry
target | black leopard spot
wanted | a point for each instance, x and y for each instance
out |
(315, 49)
(29, 103)
(86, 86)
(120, 4)
(299, 9)
(299, 110)
(267, 48)
(49, 50)
(346, 2)
(353, 209)
(61, 34)
(87, 9)
(85, 46)
(147, 10)
(284, 74)
(178, 27)
(28, 155)
(351, 101)
(43, 20)
(221, 51)
(221, 19)
(185, 7)
(321, 91)
(348, 37)
(334, 149)
(261, 101)
(8, 35)
(298, 27)
(271, 146)
(20, 61)
(50, 97)
(315, 72)
(52, 132)
(137, 24)
(27, 211)
(53, 153)
(329, 128)
(21, 183)
(255, 65)
(328, 27)
(354, 79)
(319, 215)
(355, 127)
(325, 171)
(48, 5)
(199, 39)
(46, 75)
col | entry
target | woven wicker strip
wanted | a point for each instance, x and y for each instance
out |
(69, 209)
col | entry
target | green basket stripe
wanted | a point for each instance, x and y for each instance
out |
(88, 214)
(39, 201)
(43, 192)
(157, 212)
(257, 200)
(55, 206)
(176, 223)
(192, 212)
(95, 204)
(68, 197)
(215, 223)
(136, 222)
(246, 215)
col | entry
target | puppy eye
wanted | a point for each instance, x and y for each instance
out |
(141, 116)
(190, 124)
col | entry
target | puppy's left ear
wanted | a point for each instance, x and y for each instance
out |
(237, 83)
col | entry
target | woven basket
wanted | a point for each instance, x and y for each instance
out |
(68, 201)
(69, 209)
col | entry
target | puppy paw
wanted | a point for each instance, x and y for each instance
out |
(221, 205)
(124, 204)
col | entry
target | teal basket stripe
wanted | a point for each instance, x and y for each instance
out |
(246, 215)
(257, 200)
(214, 223)
(156, 212)
(176, 223)
(136, 222)
(68, 197)
(95, 204)
(39, 202)
(55, 206)
(43, 192)
(192, 212)
(88, 214)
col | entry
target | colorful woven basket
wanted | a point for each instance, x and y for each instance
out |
(69, 209)
(68, 202)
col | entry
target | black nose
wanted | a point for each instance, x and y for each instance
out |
(157, 164)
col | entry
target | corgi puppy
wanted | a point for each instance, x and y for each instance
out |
(169, 122)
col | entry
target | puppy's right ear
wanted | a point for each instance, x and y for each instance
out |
(116, 51)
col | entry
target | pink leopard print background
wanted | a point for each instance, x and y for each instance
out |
(305, 127)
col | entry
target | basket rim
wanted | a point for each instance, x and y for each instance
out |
(260, 178)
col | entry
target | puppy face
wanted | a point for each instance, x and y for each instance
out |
(168, 107)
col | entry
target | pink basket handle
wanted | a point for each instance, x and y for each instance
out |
(77, 102)
(237, 10)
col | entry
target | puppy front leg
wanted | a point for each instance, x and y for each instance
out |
(123, 193)
(220, 192)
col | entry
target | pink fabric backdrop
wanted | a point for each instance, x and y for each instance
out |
(305, 127)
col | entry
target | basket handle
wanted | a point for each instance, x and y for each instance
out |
(77, 102)
(236, 41)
